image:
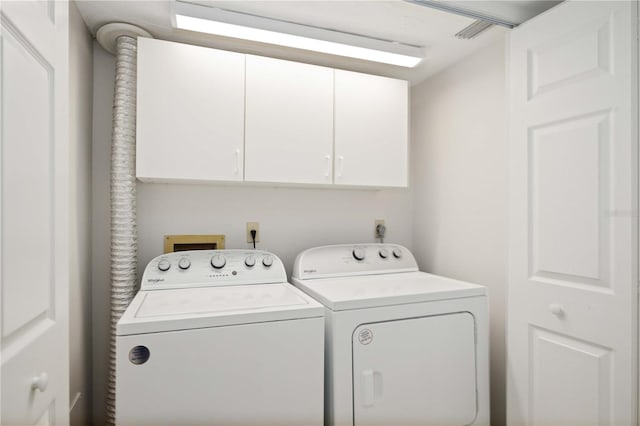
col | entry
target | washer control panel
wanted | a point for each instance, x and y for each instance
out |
(207, 268)
(353, 259)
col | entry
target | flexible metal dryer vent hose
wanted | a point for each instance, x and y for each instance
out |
(124, 240)
(121, 40)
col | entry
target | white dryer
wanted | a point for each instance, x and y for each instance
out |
(219, 338)
(403, 347)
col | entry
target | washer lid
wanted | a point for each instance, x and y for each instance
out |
(386, 289)
(188, 308)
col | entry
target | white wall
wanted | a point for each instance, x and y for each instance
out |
(291, 219)
(80, 129)
(103, 82)
(459, 183)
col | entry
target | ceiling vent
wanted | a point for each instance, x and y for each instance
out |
(473, 30)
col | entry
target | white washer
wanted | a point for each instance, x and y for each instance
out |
(220, 338)
(403, 347)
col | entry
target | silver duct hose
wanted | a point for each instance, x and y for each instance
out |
(121, 39)
(124, 240)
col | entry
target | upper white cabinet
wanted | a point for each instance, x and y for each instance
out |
(190, 122)
(289, 122)
(371, 130)
(207, 115)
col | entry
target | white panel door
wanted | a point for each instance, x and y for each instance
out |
(572, 332)
(289, 122)
(371, 130)
(190, 118)
(34, 213)
(419, 371)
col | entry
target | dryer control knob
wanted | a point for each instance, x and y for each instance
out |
(397, 253)
(384, 253)
(358, 254)
(267, 261)
(250, 261)
(184, 263)
(164, 265)
(218, 261)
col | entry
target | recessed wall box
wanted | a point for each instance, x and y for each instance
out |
(193, 242)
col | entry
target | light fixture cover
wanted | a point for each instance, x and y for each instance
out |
(226, 23)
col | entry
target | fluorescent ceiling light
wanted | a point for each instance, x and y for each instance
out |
(264, 30)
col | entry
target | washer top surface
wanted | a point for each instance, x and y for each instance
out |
(217, 288)
(336, 277)
(213, 300)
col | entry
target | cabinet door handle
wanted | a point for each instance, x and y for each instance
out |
(237, 161)
(328, 158)
(40, 382)
(340, 165)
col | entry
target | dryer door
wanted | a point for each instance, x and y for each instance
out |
(415, 371)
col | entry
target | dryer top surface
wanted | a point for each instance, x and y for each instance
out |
(356, 292)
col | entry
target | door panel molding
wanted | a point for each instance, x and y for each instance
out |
(594, 39)
(553, 223)
(29, 186)
(558, 355)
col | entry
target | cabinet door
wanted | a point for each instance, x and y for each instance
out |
(289, 122)
(190, 113)
(371, 126)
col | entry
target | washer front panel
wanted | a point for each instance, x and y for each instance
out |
(253, 374)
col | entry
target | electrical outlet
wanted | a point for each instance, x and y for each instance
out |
(375, 227)
(251, 226)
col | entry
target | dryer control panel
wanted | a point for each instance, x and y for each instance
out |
(208, 268)
(352, 260)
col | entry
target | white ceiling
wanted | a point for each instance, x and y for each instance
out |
(392, 20)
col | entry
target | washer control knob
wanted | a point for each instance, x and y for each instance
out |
(267, 261)
(164, 265)
(397, 253)
(384, 253)
(250, 261)
(184, 263)
(218, 261)
(358, 254)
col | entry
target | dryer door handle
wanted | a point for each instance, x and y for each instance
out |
(371, 387)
